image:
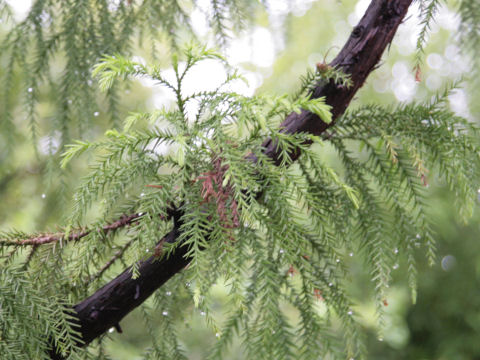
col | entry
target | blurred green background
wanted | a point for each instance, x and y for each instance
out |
(284, 41)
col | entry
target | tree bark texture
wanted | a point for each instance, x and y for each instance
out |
(358, 58)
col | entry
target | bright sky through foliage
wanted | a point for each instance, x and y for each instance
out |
(260, 46)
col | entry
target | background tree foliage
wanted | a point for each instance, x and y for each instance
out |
(283, 274)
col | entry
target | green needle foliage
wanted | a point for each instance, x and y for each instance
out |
(279, 236)
(82, 32)
(244, 216)
(40, 318)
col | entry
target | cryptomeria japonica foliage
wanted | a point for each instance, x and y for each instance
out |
(219, 188)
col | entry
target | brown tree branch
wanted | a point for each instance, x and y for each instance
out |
(358, 58)
(60, 236)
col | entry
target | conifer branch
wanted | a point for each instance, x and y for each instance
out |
(118, 254)
(61, 236)
(360, 55)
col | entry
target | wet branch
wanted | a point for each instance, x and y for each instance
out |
(358, 58)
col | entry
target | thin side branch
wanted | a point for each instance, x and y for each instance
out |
(118, 254)
(60, 236)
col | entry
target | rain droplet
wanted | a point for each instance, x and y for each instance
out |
(148, 250)
(395, 267)
(30, 89)
(330, 284)
(168, 293)
(338, 260)
(164, 313)
(351, 254)
(44, 196)
(142, 194)
(111, 330)
(448, 262)
(350, 312)
(217, 335)
(281, 251)
(395, 251)
(96, 113)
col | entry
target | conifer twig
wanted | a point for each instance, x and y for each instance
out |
(60, 236)
(118, 254)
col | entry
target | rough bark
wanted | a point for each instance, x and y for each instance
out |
(359, 57)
